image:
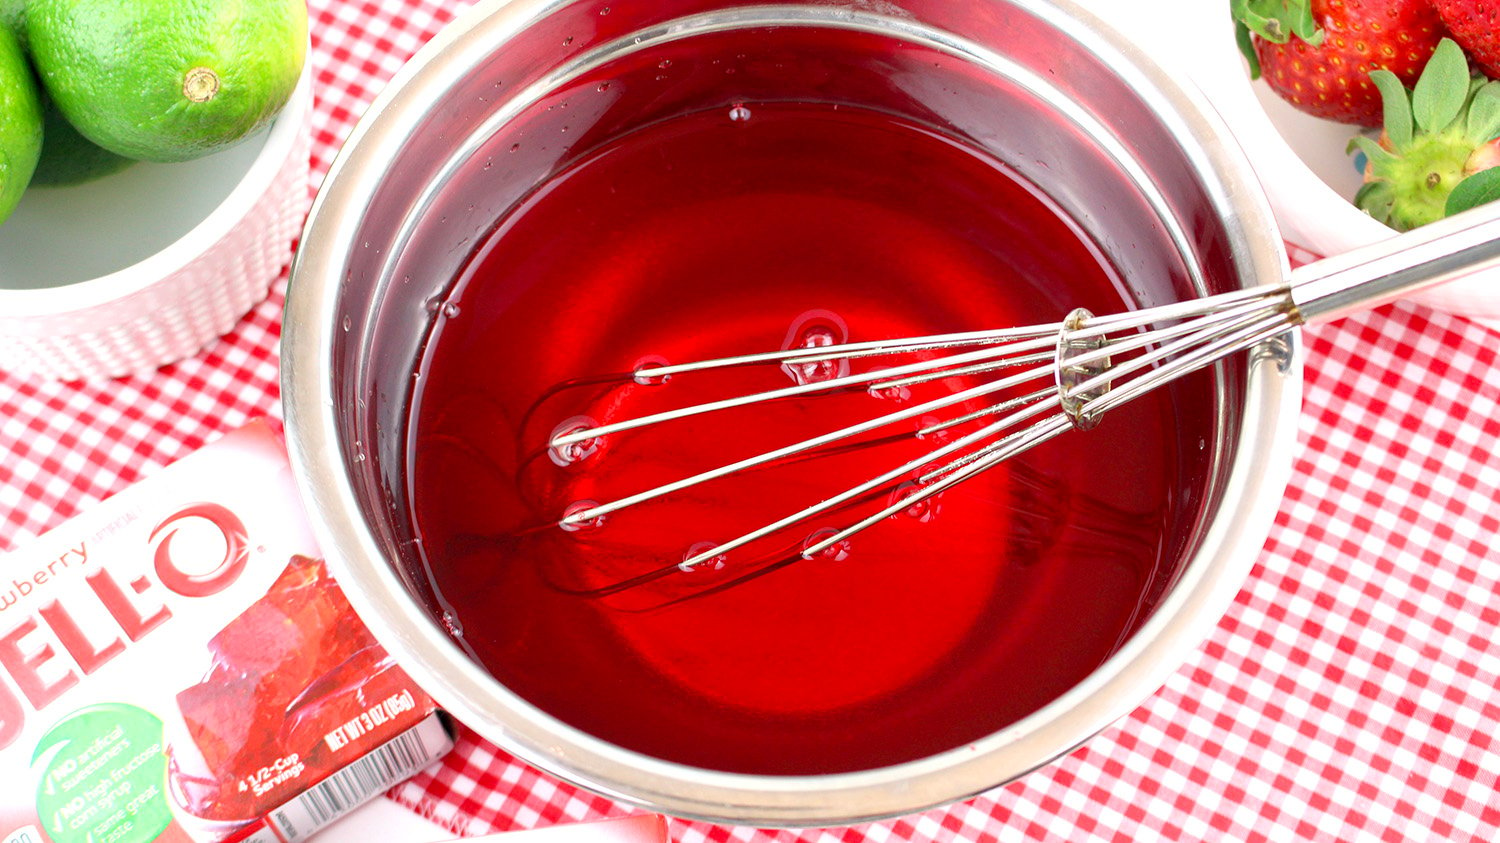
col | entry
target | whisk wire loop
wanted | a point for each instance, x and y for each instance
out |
(861, 489)
(872, 348)
(1081, 354)
(1008, 448)
(593, 513)
(1095, 363)
(1031, 344)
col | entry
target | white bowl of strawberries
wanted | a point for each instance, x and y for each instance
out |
(1315, 95)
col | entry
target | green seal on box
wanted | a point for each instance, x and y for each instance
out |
(104, 779)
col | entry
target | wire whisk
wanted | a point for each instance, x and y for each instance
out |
(1037, 382)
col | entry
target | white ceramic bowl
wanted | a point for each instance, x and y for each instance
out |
(1299, 158)
(147, 266)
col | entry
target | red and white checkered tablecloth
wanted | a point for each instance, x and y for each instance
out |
(1352, 692)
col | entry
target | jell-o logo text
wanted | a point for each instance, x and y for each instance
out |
(70, 631)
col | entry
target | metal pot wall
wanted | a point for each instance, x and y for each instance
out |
(1150, 174)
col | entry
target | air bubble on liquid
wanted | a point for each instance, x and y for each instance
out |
(602, 87)
(712, 563)
(604, 11)
(580, 526)
(649, 362)
(488, 163)
(929, 421)
(664, 64)
(899, 394)
(433, 304)
(359, 451)
(816, 329)
(739, 113)
(347, 323)
(816, 371)
(567, 41)
(836, 552)
(515, 147)
(451, 624)
(572, 452)
(450, 310)
(929, 470)
(921, 511)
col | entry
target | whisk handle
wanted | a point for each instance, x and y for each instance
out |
(1372, 275)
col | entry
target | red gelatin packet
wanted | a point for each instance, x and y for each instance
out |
(178, 665)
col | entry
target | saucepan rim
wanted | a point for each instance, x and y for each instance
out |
(1250, 494)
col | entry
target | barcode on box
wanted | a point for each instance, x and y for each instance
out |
(371, 775)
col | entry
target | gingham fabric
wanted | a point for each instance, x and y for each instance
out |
(1350, 693)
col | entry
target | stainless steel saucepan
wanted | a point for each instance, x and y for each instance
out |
(1135, 156)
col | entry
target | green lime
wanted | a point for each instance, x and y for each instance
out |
(71, 158)
(168, 80)
(20, 123)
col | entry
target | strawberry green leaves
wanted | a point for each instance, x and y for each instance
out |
(1442, 88)
(1372, 150)
(1438, 154)
(1275, 21)
(1484, 113)
(1476, 190)
(1377, 199)
(1398, 116)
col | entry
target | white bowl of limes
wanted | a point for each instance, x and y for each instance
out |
(144, 263)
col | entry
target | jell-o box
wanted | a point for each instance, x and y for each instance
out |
(177, 664)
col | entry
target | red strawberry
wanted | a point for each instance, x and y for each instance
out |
(1318, 54)
(1475, 25)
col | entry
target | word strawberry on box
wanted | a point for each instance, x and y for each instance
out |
(178, 665)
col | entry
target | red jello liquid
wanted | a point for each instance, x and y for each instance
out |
(747, 230)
